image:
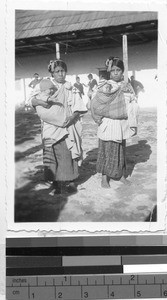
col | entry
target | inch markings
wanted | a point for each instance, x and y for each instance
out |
(91, 287)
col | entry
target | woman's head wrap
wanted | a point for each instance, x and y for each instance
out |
(56, 63)
(114, 61)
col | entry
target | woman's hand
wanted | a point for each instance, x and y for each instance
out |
(35, 102)
(72, 119)
(99, 122)
(50, 102)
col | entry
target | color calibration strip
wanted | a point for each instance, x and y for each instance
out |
(98, 264)
(89, 241)
(48, 269)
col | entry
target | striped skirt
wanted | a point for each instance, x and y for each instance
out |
(111, 159)
(58, 163)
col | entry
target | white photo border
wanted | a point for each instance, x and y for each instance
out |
(87, 227)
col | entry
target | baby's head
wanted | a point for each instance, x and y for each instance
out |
(105, 87)
(47, 86)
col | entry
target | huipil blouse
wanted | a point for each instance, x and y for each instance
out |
(53, 118)
(118, 130)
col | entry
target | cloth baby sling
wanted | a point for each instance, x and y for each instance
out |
(110, 105)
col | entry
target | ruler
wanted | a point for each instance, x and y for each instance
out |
(51, 269)
(79, 287)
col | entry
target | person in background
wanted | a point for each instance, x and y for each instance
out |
(61, 132)
(79, 86)
(137, 86)
(35, 81)
(92, 85)
(113, 132)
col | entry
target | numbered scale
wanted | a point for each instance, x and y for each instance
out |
(80, 287)
(93, 268)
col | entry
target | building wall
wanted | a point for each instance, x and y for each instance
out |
(142, 62)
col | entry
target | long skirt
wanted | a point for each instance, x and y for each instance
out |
(111, 159)
(58, 163)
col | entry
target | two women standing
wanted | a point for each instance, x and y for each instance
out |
(61, 128)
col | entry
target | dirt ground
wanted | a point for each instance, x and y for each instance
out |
(35, 203)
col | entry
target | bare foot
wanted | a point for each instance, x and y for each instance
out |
(125, 181)
(105, 182)
(105, 185)
(71, 188)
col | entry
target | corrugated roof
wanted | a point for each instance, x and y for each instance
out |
(34, 23)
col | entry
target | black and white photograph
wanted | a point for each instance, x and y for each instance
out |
(88, 106)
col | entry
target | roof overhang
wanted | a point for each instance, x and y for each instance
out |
(89, 39)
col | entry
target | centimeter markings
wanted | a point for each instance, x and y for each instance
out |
(71, 287)
(25, 263)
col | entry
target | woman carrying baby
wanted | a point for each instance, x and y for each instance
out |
(61, 129)
(115, 110)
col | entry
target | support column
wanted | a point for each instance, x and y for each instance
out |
(125, 56)
(57, 50)
(24, 88)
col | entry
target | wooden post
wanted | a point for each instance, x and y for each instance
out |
(57, 51)
(125, 56)
(24, 89)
